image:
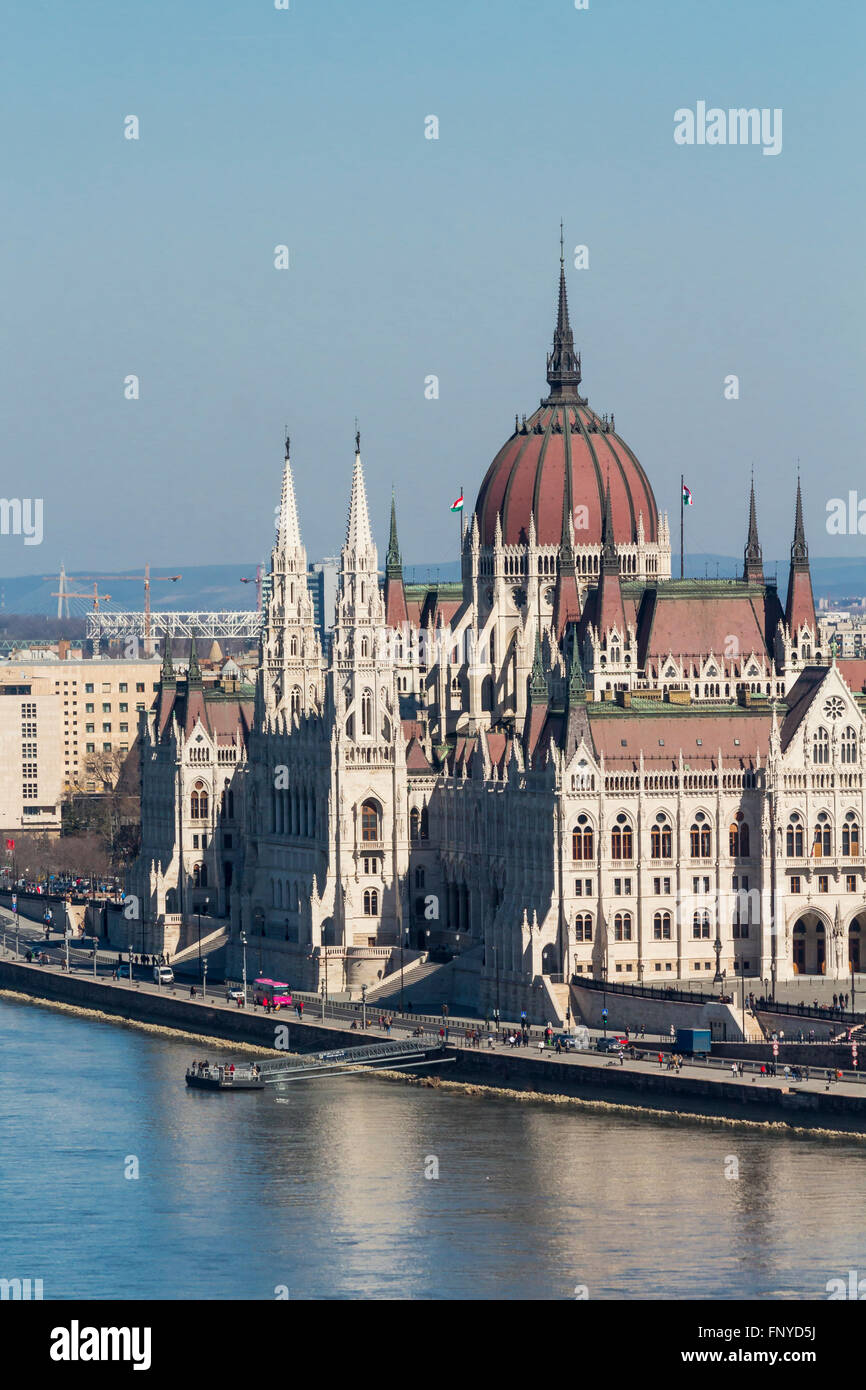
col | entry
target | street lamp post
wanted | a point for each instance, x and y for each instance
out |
(204, 985)
(244, 948)
(402, 942)
(364, 1008)
(717, 947)
(199, 906)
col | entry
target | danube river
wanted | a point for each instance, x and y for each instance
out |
(241, 1197)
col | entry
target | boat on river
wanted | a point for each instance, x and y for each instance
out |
(203, 1077)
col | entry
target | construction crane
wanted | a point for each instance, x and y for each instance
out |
(63, 593)
(70, 593)
(258, 583)
(146, 578)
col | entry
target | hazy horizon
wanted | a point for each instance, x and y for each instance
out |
(411, 257)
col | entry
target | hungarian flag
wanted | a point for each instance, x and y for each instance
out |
(688, 500)
(458, 505)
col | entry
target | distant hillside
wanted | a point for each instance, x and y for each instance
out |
(219, 586)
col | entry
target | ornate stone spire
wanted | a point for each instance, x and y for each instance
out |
(576, 679)
(563, 364)
(754, 567)
(359, 536)
(167, 673)
(393, 561)
(537, 681)
(799, 548)
(800, 604)
(609, 557)
(288, 529)
(193, 675)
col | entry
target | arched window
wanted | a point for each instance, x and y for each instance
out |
(662, 926)
(821, 838)
(851, 835)
(583, 927)
(699, 837)
(660, 838)
(414, 824)
(296, 703)
(487, 693)
(821, 746)
(367, 712)
(365, 645)
(293, 647)
(794, 838)
(198, 802)
(848, 744)
(621, 839)
(701, 925)
(738, 835)
(370, 821)
(371, 902)
(199, 875)
(419, 878)
(622, 926)
(582, 840)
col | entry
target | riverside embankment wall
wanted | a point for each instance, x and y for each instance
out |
(659, 1091)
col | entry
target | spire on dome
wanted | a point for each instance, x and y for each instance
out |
(563, 364)
(288, 530)
(394, 560)
(358, 533)
(609, 558)
(754, 568)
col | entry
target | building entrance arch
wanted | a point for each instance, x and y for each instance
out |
(809, 945)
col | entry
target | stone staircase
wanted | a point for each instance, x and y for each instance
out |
(427, 984)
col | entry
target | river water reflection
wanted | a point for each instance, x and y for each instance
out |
(327, 1196)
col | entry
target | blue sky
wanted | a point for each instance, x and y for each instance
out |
(412, 257)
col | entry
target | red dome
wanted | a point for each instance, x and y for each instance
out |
(528, 475)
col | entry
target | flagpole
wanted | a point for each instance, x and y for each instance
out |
(682, 514)
(460, 514)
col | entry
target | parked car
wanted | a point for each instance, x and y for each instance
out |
(163, 975)
(565, 1040)
(611, 1044)
(234, 993)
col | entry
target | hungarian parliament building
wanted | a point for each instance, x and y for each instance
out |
(569, 764)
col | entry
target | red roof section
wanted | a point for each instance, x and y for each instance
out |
(661, 737)
(528, 476)
(692, 625)
(853, 673)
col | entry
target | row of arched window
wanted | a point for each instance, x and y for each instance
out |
(661, 838)
(822, 836)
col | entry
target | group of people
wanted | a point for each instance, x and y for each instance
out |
(164, 958)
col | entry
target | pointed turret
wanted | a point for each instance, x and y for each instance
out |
(288, 530)
(576, 679)
(167, 673)
(193, 675)
(537, 681)
(359, 536)
(800, 605)
(563, 363)
(753, 569)
(566, 602)
(610, 611)
(396, 612)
